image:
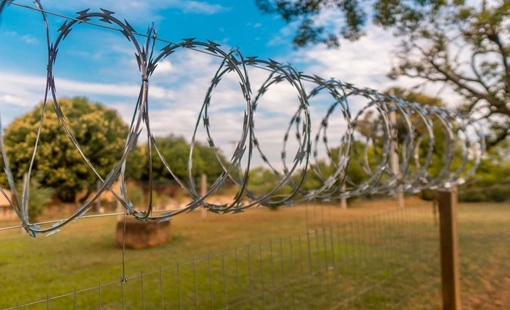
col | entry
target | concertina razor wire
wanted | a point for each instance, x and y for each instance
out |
(407, 130)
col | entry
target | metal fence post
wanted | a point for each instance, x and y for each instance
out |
(450, 274)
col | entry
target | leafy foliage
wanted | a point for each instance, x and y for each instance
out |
(467, 47)
(355, 16)
(355, 174)
(438, 161)
(39, 197)
(492, 178)
(176, 151)
(462, 44)
(99, 131)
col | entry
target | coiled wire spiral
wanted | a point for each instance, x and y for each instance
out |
(407, 130)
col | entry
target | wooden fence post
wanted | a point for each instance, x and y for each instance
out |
(450, 274)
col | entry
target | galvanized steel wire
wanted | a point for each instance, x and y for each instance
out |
(413, 139)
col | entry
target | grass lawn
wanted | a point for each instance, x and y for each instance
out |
(370, 256)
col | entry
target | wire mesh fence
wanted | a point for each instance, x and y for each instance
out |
(373, 262)
(386, 260)
(483, 233)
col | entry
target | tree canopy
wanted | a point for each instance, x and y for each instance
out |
(100, 132)
(356, 15)
(466, 47)
(462, 44)
(176, 150)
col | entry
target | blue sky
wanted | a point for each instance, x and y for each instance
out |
(100, 64)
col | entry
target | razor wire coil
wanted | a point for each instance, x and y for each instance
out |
(398, 130)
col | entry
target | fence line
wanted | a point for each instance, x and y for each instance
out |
(388, 260)
(335, 265)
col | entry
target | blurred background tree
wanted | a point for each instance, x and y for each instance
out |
(99, 130)
(176, 150)
(464, 45)
(39, 197)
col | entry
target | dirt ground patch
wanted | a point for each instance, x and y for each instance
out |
(493, 299)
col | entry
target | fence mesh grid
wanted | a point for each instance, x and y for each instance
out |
(384, 261)
(342, 265)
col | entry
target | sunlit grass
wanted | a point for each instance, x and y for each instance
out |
(218, 260)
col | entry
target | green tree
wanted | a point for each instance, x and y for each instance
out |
(262, 180)
(467, 47)
(356, 15)
(420, 98)
(367, 127)
(39, 197)
(176, 150)
(420, 131)
(100, 132)
(492, 178)
(463, 44)
(355, 173)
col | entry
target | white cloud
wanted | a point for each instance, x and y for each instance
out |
(13, 100)
(199, 7)
(29, 39)
(78, 87)
(140, 11)
(284, 35)
(364, 63)
(27, 90)
(164, 67)
(22, 87)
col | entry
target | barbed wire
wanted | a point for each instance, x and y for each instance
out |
(394, 142)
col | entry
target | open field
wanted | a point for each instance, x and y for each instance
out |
(371, 256)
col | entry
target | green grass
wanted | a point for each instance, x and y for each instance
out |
(484, 234)
(369, 257)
